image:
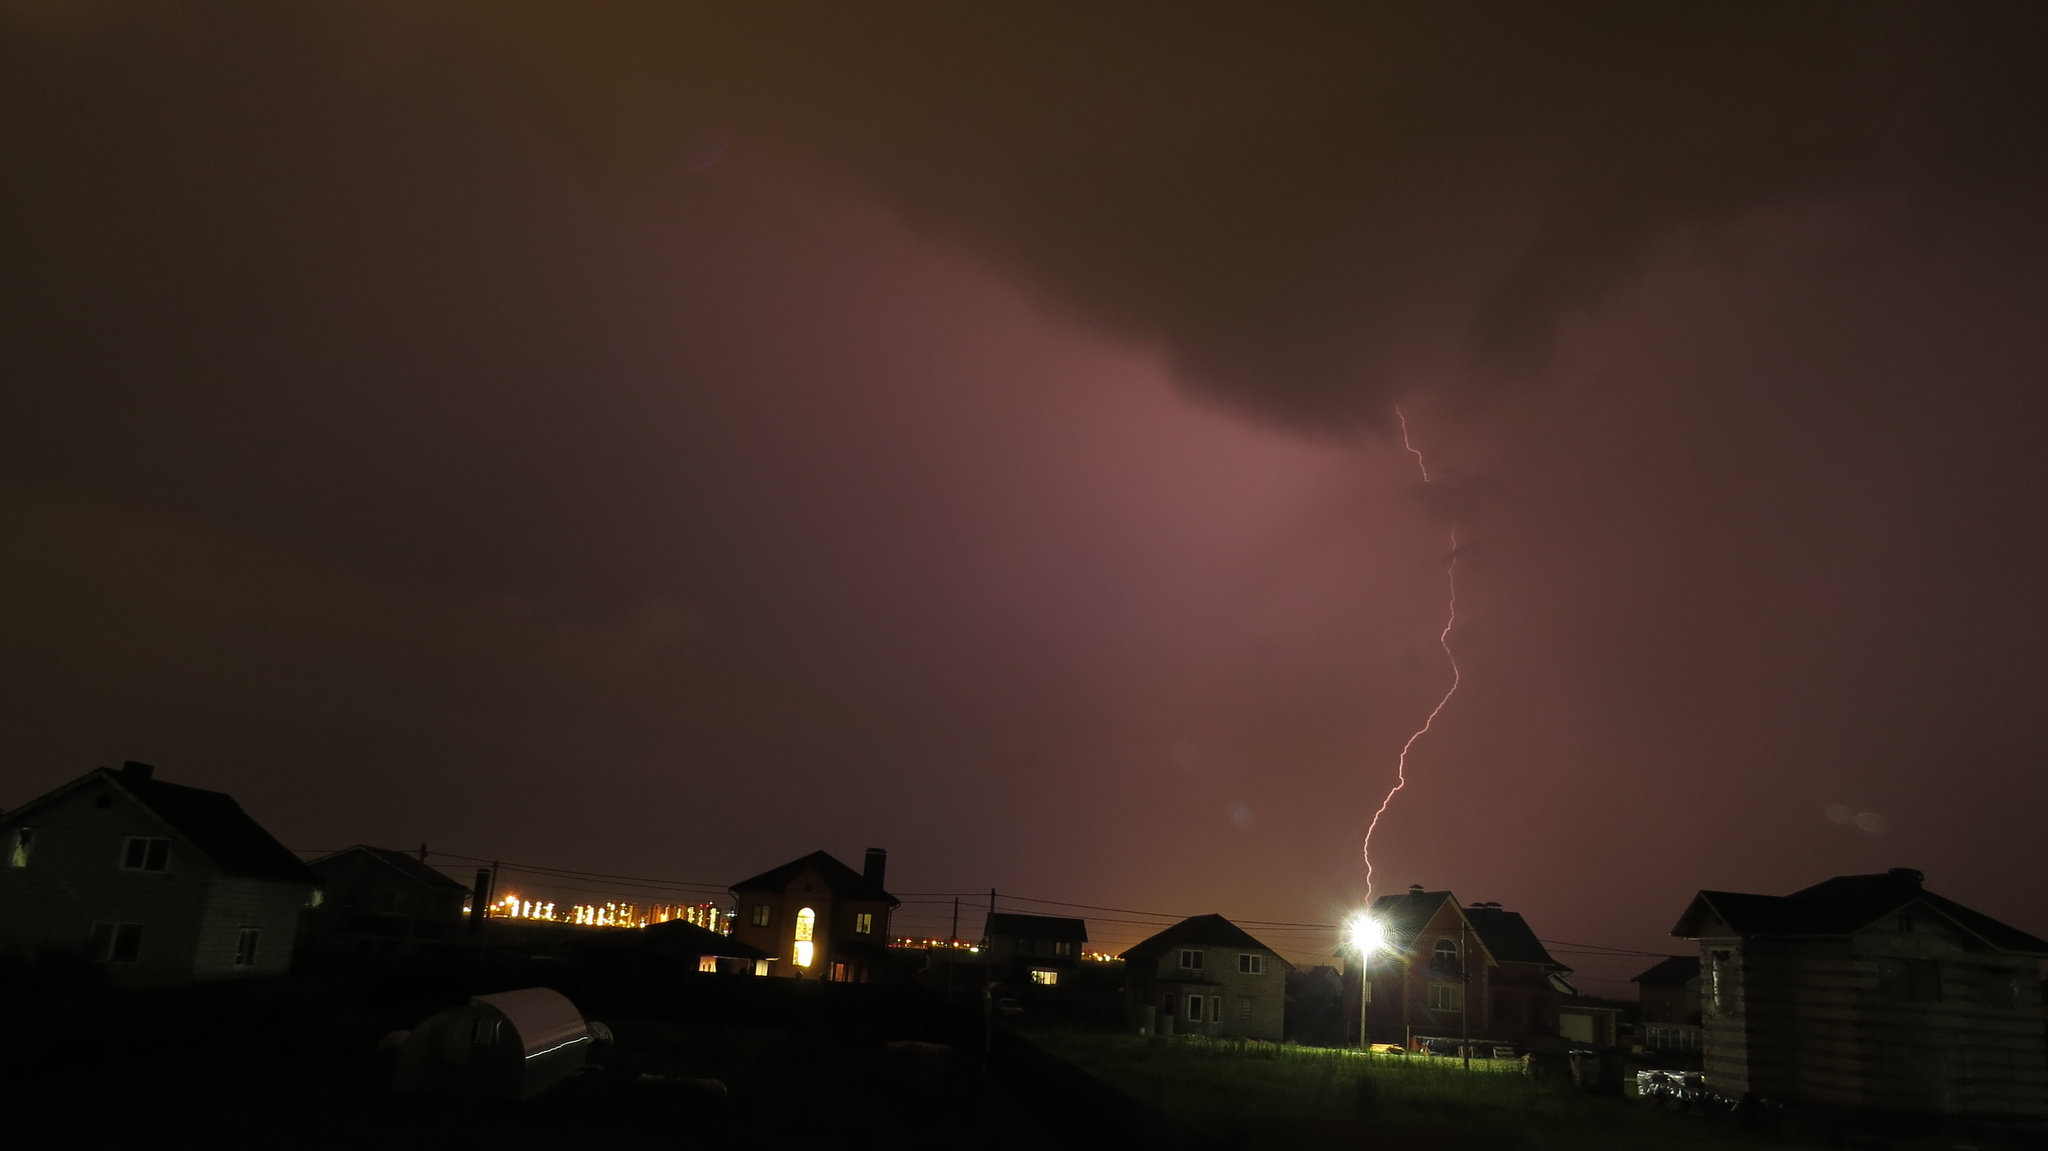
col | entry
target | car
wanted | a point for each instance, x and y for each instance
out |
(1387, 1049)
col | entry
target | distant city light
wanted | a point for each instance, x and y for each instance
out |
(613, 914)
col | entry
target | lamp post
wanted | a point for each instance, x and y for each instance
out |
(1367, 936)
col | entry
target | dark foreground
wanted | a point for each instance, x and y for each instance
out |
(296, 1063)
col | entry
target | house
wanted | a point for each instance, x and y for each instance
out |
(158, 882)
(1207, 976)
(817, 918)
(384, 901)
(1668, 995)
(1870, 993)
(1441, 958)
(671, 946)
(1040, 949)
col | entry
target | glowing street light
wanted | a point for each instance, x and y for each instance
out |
(1368, 936)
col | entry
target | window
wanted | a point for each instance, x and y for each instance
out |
(760, 966)
(1194, 1009)
(1045, 978)
(707, 964)
(1447, 955)
(864, 923)
(115, 942)
(1909, 980)
(141, 853)
(761, 915)
(1446, 997)
(1062, 947)
(1251, 965)
(839, 972)
(1244, 1007)
(2001, 989)
(245, 947)
(24, 842)
(1190, 961)
(806, 929)
(1721, 982)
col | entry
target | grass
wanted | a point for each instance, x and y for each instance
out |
(1251, 1084)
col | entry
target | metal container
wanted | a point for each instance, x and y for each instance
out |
(512, 1045)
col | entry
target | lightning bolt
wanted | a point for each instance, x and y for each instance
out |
(1443, 640)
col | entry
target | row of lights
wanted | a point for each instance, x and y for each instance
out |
(612, 914)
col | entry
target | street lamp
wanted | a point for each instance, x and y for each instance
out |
(1367, 936)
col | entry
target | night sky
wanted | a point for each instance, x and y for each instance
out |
(666, 442)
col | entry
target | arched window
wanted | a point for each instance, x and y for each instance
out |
(806, 930)
(1447, 955)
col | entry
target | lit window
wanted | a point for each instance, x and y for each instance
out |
(24, 842)
(1048, 978)
(1244, 1007)
(1251, 965)
(141, 853)
(760, 967)
(1191, 960)
(864, 923)
(806, 929)
(761, 914)
(245, 947)
(839, 973)
(1446, 997)
(1194, 1009)
(115, 942)
(708, 964)
(1062, 947)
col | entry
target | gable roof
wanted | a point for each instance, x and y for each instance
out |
(210, 821)
(840, 880)
(1845, 905)
(405, 863)
(1677, 969)
(1509, 937)
(1036, 926)
(674, 939)
(1208, 930)
(1504, 935)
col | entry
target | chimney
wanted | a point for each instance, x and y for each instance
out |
(1910, 875)
(134, 770)
(877, 866)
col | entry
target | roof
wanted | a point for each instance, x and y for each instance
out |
(1845, 905)
(1505, 935)
(1508, 936)
(677, 938)
(210, 821)
(1037, 926)
(1209, 930)
(841, 880)
(404, 862)
(1677, 969)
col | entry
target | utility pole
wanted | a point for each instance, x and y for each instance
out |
(988, 990)
(955, 937)
(1465, 991)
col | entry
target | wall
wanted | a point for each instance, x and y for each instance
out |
(74, 878)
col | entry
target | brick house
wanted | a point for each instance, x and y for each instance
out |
(379, 900)
(1207, 976)
(1870, 993)
(817, 918)
(1668, 996)
(1041, 949)
(157, 882)
(1442, 958)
